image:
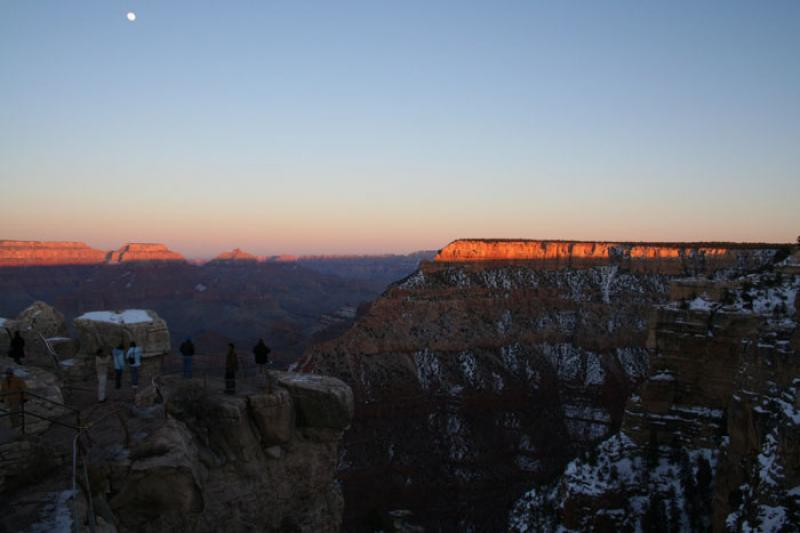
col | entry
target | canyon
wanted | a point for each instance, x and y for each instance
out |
(491, 367)
(710, 440)
(231, 299)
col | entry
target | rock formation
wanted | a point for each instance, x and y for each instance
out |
(31, 253)
(141, 252)
(253, 461)
(710, 441)
(106, 329)
(488, 369)
(34, 323)
(36, 253)
(236, 255)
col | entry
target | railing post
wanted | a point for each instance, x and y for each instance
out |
(22, 408)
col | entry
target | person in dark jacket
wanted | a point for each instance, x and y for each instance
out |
(17, 348)
(187, 350)
(261, 352)
(231, 366)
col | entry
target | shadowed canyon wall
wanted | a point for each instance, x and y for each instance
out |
(489, 368)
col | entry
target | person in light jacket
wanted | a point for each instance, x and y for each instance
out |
(101, 363)
(118, 354)
(134, 358)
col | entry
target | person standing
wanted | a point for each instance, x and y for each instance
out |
(101, 364)
(187, 350)
(134, 358)
(231, 366)
(261, 352)
(17, 348)
(13, 388)
(118, 354)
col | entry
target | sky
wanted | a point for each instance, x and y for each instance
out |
(302, 126)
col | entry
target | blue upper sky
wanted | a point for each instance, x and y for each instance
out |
(303, 126)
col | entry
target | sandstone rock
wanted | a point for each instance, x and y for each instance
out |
(207, 469)
(106, 329)
(164, 480)
(235, 256)
(43, 319)
(321, 401)
(36, 253)
(35, 322)
(273, 414)
(138, 252)
(672, 259)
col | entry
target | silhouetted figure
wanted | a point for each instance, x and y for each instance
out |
(231, 366)
(17, 349)
(261, 352)
(134, 358)
(187, 350)
(101, 364)
(12, 388)
(118, 354)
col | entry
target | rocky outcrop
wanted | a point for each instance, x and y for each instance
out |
(711, 439)
(253, 461)
(474, 379)
(143, 252)
(36, 322)
(107, 329)
(36, 253)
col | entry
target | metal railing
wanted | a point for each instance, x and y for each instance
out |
(22, 413)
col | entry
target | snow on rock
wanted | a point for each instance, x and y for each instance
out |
(128, 316)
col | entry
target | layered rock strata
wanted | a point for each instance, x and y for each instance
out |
(139, 252)
(43, 253)
(30, 253)
(711, 439)
(476, 377)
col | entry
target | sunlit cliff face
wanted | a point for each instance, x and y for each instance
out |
(667, 258)
(36, 253)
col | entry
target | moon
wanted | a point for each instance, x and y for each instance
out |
(131, 16)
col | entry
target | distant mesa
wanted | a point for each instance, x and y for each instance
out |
(137, 252)
(665, 257)
(283, 258)
(44, 253)
(32, 253)
(235, 256)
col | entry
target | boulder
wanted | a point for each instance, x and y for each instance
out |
(106, 329)
(36, 321)
(321, 401)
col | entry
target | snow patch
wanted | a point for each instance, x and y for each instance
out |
(128, 316)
